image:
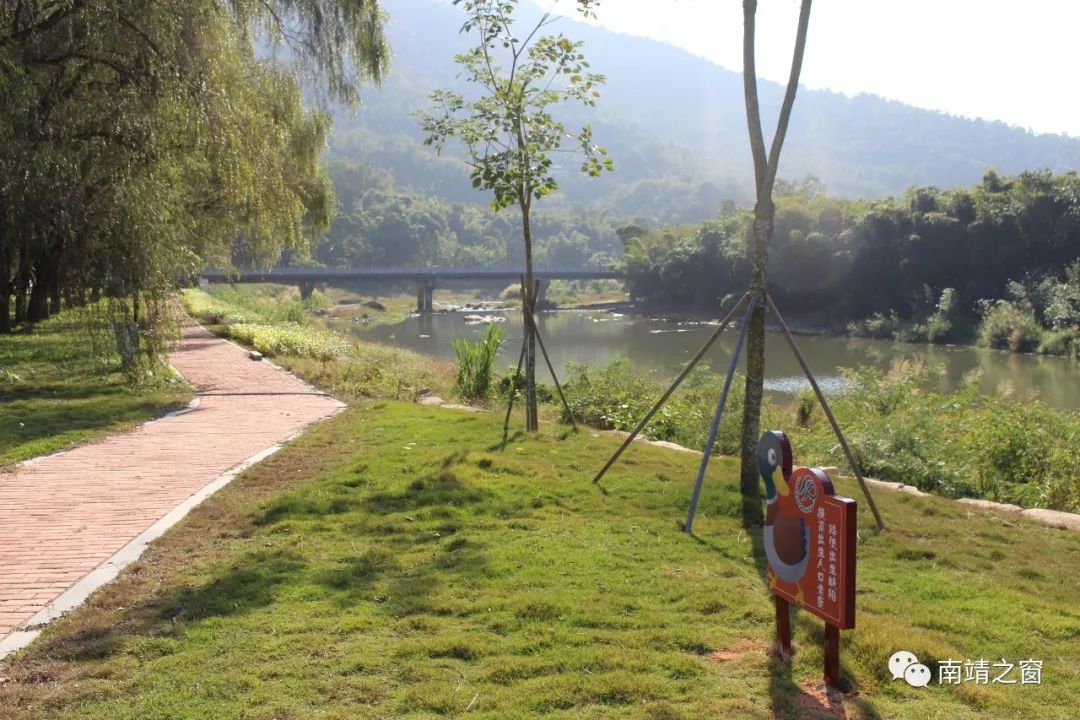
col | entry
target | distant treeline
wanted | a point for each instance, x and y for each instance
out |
(899, 262)
(381, 225)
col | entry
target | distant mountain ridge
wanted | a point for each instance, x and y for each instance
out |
(675, 126)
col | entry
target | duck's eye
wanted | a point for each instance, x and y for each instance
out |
(772, 457)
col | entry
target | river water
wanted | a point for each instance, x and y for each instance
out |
(663, 347)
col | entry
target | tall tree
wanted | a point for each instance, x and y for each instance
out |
(765, 167)
(142, 139)
(509, 131)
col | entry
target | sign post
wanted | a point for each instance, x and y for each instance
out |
(810, 539)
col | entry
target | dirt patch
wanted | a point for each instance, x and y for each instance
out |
(737, 651)
(816, 702)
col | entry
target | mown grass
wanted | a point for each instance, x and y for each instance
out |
(397, 562)
(56, 393)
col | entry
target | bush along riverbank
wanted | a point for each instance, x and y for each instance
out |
(957, 444)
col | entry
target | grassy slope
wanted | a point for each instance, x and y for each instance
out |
(64, 396)
(395, 562)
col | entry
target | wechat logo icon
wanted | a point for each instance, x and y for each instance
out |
(905, 665)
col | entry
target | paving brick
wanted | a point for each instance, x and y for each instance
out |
(63, 515)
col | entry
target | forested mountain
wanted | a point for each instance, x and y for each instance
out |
(674, 124)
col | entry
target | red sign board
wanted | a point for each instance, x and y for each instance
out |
(809, 536)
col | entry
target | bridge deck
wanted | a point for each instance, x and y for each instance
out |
(295, 275)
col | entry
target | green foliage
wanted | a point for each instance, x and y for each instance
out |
(615, 397)
(961, 444)
(290, 339)
(509, 131)
(957, 444)
(142, 141)
(912, 268)
(476, 362)
(271, 332)
(1008, 327)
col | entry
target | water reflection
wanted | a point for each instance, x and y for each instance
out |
(663, 347)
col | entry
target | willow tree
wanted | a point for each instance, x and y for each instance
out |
(507, 126)
(765, 167)
(142, 139)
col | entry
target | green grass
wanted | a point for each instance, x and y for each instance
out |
(396, 562)
(55, 393)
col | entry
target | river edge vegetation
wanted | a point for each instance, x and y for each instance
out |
(996, 263)
(398, 561)
(958, 444)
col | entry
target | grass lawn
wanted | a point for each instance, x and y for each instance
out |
(395, 562)
(54, 393)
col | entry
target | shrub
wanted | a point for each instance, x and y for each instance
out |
(963, 443)
(877, 326)
(1061, 342)
(1008, 327)
(614, 397)
(476, 362)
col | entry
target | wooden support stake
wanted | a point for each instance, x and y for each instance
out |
(832, 656)
(513, 391)
(783, 628)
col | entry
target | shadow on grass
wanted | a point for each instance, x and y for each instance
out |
(437, 489)
(249, 584)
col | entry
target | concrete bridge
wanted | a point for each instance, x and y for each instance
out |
(426, 279)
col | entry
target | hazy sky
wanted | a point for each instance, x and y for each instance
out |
(1009, 60)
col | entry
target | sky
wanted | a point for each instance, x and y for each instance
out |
(1008, 60)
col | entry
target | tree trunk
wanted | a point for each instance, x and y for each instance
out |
(755, 369)
(765, 167)
(54, 295)
(5, 289)
(532, 420)
(38, 308)
(22, 282)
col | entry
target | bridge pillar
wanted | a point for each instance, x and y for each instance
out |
(204, 284)
(425, 291)
(306, 288)
(541, 297)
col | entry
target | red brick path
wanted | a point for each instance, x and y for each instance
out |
(63, 515)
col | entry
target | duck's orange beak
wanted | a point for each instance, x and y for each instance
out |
(780, 482)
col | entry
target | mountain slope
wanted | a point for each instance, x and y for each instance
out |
(675, 126)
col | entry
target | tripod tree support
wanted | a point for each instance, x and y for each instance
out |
(678, 381)
(707, 453)
(827, 410)
(532, 325)
(513, 391)
(536, 331)
(547, 360)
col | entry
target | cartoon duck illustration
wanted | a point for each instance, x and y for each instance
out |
(786, 535)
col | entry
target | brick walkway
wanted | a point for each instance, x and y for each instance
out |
(66, 514)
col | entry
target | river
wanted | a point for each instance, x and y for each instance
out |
(662, 347)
